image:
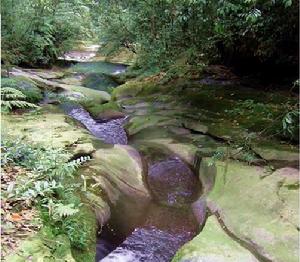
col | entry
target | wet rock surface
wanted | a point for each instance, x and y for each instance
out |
(172, 182)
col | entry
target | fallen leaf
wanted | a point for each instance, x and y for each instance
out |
(15, 217)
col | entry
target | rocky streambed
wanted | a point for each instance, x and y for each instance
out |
(169, 179)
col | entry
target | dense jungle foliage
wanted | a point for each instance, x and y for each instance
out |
(36, 32)
(204, 31)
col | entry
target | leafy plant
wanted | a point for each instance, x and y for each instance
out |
(290, 123)
(49, 183)
(13, 98)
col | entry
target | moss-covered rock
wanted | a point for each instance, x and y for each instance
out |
(213, 245)
(95, 96)
(277, 152)
(134, 88)
(44, 248)
(48, 127)
(26, 86)
(121, 166)
(89, 94)
(251, 208)
(98, 111)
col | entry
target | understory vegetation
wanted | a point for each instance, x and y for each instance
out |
(197, 32)
(47, 182)
(37, 32)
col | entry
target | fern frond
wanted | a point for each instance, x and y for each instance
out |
(10, 92)
(61, 210)
(11, 97)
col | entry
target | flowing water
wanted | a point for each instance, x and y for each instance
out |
(155, 231)
(111, 132)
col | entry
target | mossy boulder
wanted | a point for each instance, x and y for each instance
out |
(68, 90)
(213, 245)
(138, 123)
(43, 248)
(26, 86)
(251, 207)
(134, 88)
(102, 111)
(277, 152)
(95, 96)
(48, 127)
(118, 168)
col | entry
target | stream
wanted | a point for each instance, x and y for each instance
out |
(155, 231)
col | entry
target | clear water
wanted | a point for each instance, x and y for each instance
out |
(111, 132)
(142, 231)
(98, 67)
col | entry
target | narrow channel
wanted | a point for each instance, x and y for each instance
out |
(152, 231)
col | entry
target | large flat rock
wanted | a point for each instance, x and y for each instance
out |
(260, 210)
(213, 245)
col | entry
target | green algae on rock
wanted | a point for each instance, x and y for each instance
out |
(251, 209)
(213, 245)
(49, 128)
(121, 166)
(26, 86)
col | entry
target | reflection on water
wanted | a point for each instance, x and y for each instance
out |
(163, 231)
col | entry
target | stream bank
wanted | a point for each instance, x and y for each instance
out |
(147, 199)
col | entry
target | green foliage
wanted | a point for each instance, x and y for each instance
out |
(249, 106)
(290, 123)
(26, 86)
(203, 31)
(12, 98)
(36, 32)
(45, 185)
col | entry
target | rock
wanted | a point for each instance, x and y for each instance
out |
(46, 74)
(110, 114)
(172, 182)
(121, 166)
(260, 212)
(73, 96)
(122, 56)
(102, 209)
(94, 95)
(50, 128)
(288, 185)
(89, 94)
(207, 175)
(26, 86)
(213, 245)
(84, 149)
(185, 151)
(138, 123)
(277, 152)
(195, 126)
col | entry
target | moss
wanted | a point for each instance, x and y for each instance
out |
(95, 108)
(26, 86)
(43, 246)
(86, 224)
(252, 210)
(213, 244)
(134, 88)
(90, 94)
(49, 128)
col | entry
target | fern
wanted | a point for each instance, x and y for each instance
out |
(13, 98)
(61, 210)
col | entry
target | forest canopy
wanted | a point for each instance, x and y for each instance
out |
(204, 31)
(36, 32)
